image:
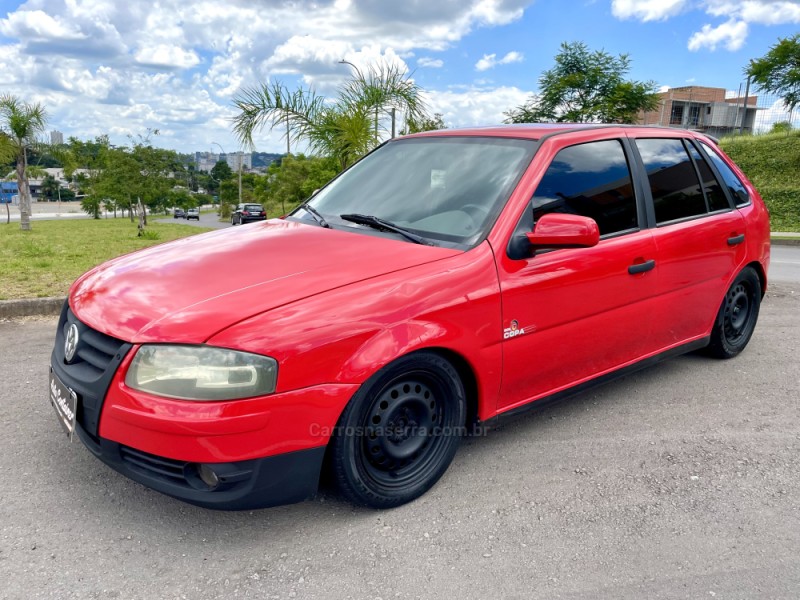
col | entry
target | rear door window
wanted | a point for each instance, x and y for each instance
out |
(676, 191)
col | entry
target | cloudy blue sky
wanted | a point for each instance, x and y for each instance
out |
(119, 68)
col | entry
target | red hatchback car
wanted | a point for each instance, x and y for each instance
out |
(447, 279)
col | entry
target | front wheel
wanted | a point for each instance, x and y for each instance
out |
(400, 431)
(737, 316)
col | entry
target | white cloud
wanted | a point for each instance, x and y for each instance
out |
(431, 63)
(168, 56)
(172, 65)
(489, 61)
(469, 106)
(647, 10)
(731, 34)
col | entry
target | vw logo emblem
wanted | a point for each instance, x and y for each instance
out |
(71, 343)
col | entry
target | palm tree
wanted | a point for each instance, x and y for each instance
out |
(346, 127)
(21, 122)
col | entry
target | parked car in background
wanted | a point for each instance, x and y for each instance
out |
(193, 213)
(245, 213)
(178, 213)
(448, 279)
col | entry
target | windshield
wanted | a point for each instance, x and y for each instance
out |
(447, 189)
(253, 207)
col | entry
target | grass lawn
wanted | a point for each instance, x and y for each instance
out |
(45, 261)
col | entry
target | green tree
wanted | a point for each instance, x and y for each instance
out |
(424, 124)
(585, 87)
(50, 187)
(221, 171)
(778, 71)
(293, 181)
(20, 123)
(345, 127)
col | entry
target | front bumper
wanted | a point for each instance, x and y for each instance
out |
(266, 450)
(257, 483)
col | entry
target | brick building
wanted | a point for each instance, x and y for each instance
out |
(703, 109)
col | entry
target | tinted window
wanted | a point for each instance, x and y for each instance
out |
(253, 207)
(717, 200)
(592, 180)
(673, 180)
(734, 185)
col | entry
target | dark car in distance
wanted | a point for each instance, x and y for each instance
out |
(245, 213)
(178, 213)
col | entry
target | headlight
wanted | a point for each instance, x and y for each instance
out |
(201, 373)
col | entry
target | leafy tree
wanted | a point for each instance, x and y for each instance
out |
(424, 124)
(20, 123)
(221, 171)
(50, 187)
(585, 87)
(778, 71)
(346, 127)
(781, 127)
(294, 181)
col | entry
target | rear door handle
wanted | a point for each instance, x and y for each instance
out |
(737, 239)
(647, 265)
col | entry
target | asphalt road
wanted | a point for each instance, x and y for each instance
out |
(784, 264)
(208, 219)
(681, 481)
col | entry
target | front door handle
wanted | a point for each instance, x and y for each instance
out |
(737, 239)
(647, 265)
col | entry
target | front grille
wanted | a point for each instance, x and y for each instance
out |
(97, 358)
(154, 466)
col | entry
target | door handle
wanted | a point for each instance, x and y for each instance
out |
(647, 265)
(737, 239)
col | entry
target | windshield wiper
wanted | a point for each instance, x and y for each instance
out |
(378, 223)
(315, 214)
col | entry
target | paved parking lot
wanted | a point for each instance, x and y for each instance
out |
(681, 481)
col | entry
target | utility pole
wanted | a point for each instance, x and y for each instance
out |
(744, 112)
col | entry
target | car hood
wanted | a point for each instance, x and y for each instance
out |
(187, 290)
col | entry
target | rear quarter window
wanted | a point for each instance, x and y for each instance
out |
(732, 182)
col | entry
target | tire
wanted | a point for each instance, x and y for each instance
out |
(737, 316)
(399, 432)
(233, 221)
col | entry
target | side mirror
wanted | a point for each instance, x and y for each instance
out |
(557, 230)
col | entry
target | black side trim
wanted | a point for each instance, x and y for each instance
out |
(498, 420)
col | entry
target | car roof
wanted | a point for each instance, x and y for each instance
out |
(537, 131)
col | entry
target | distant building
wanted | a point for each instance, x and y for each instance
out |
(205, 161)
(236, 158)
(704, 109)
(8, 192)
(56, 138)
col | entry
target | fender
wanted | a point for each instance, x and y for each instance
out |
(347, 334)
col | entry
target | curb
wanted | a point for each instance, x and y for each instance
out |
(785, 241)
(30, 307)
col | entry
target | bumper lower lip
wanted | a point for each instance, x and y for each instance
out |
(257, 483)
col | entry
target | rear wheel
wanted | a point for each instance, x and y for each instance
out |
(737, 316)
(399, 433)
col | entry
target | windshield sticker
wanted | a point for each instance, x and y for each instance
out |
(514, 330)
(438, 179)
